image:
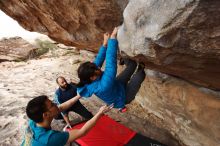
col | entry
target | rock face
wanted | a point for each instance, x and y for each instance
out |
(190, 113)
(78, 23)
(180, 38)
(176, 37)
(15, 49)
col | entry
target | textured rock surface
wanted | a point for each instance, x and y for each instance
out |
(15, 49)
(190, 113)
(177, 37)
(72, 22)
(180, 37)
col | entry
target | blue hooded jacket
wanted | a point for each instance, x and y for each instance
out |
(106, 87)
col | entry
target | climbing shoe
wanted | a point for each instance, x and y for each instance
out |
(123, 110)
(141, 66)
(121, 61)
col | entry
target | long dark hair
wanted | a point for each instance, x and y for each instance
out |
(85, 71)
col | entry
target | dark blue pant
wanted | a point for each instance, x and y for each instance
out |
(131, 80)
(79, 109)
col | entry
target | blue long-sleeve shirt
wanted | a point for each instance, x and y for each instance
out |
(106, 87)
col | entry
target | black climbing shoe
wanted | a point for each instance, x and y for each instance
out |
(141, 66)
(121, 61)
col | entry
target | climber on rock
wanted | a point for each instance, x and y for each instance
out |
(118, 90)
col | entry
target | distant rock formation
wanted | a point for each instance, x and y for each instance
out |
(15, 49)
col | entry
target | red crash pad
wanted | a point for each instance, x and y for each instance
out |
(106, 132)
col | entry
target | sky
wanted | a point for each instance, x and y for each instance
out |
(10, 28)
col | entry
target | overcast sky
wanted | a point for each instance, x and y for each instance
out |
(10, 28)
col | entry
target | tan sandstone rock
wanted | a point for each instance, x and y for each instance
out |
(189, 112)
(176, 37)
(78, 23)
(15, 49)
